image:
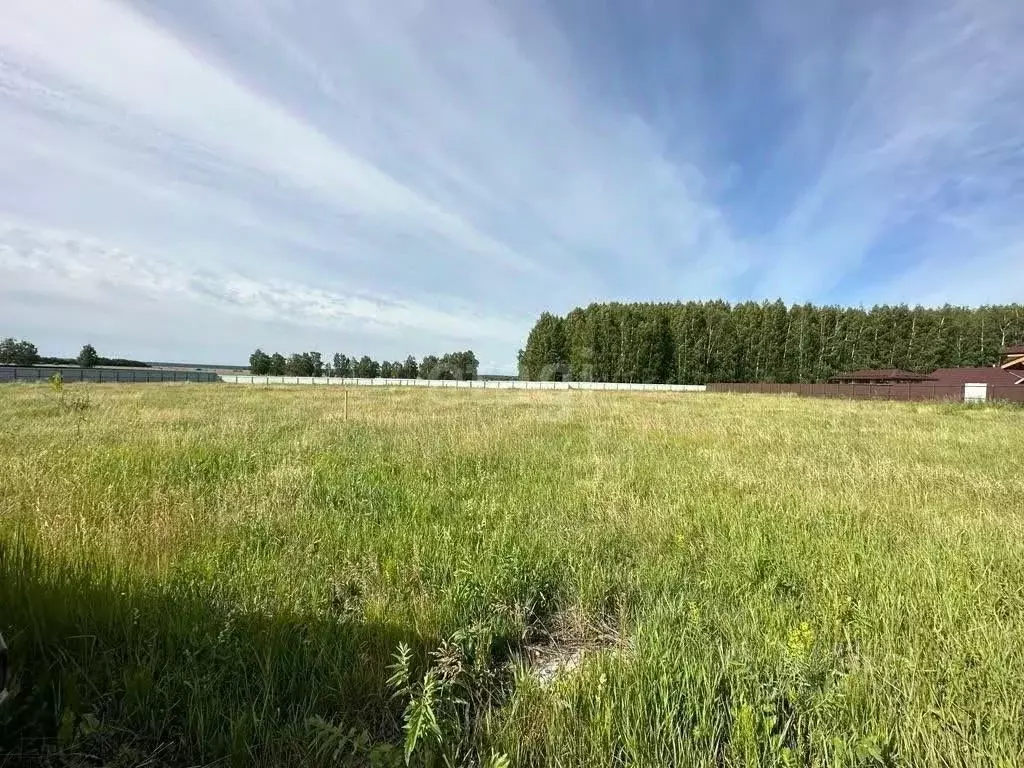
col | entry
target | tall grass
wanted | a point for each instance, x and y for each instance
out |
(206, 574)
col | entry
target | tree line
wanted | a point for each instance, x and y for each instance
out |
(701, 342)
(25, 353)
(453, 365)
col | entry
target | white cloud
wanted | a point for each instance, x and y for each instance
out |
(412, 158)
(925, 131)
(71, 266)
(139, 72)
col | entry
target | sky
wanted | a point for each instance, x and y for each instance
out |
(190, 180)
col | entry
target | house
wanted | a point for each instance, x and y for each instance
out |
(1009, 372)
(880, 376)
(1013, 358)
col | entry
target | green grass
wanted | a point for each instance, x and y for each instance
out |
(206, 574)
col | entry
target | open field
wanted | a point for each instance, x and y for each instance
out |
(198, 574)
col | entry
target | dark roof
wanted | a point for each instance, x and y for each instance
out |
(882, 374)
(1015, 349)
(994, 376)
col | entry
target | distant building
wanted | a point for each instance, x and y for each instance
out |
(1013, 358)
(880, 376)
(1008, 373)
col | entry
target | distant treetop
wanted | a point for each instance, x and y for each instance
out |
(88, 358)
(18, 352)
(453, 365)
(700, 342)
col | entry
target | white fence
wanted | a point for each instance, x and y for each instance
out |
(473, 384)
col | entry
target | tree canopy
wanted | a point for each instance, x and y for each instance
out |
(259, 362)
(700, 342)
(24, 353)
(453, 365)
(18, 352)
(88, 358)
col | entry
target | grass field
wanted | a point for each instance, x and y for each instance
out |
(201, 574)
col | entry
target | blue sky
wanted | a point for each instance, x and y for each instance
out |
(189, 180)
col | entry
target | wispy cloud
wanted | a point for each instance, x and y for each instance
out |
(72, 267)
(397, 176)
(914, 157)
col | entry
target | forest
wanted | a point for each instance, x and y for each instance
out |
(452, 365)
(25, 353)
(712, 341)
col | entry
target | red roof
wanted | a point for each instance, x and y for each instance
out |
(883, 374)
(994, 376)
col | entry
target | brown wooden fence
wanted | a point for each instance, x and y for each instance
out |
(919, 391)
(1012, 393)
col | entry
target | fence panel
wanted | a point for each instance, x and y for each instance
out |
(232, 378)
(1013, 393)
(902, 392)
(71, 374)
